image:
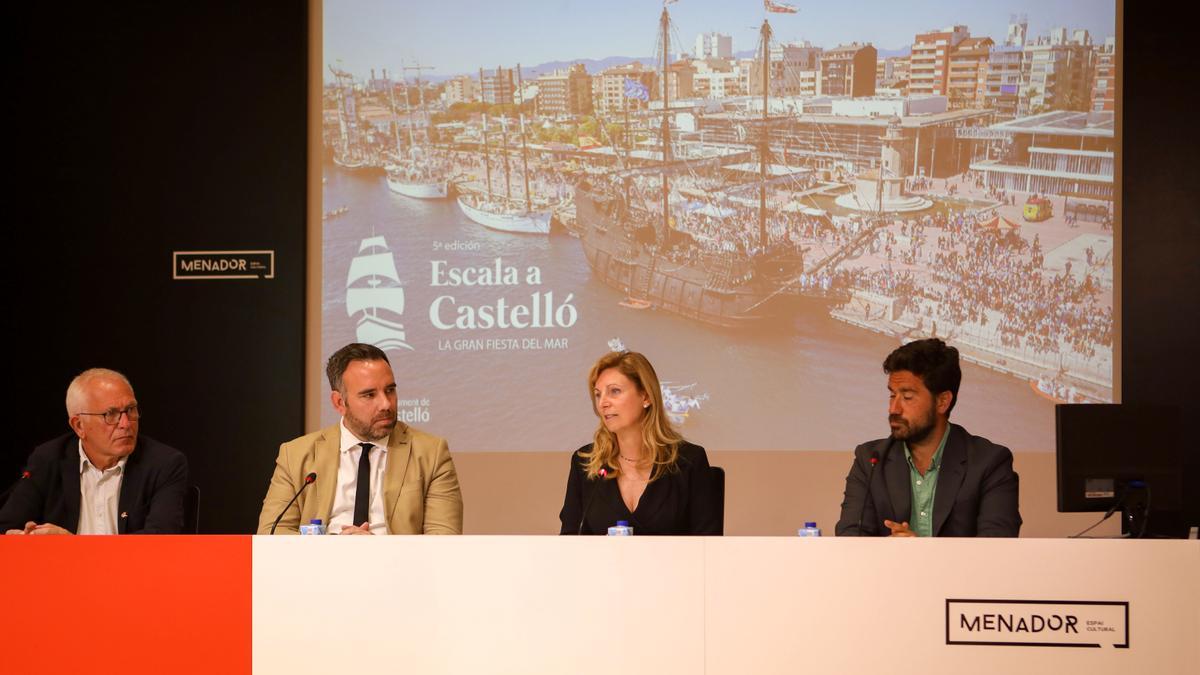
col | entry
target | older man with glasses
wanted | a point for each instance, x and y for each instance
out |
(100, 478)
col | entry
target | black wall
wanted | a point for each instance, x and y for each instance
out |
(1160, 314)
(139, 129)
(143, 128)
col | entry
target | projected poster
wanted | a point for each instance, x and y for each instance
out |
(764, 198)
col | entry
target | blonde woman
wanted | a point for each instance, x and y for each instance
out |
(637, 468)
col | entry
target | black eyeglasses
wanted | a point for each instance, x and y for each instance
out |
(113, 416)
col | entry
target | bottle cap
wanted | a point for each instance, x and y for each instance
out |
(315, 521)
(622, 523)
(810, 524)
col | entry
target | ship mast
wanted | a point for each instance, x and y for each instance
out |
(395, 120)
(504, 142)
(421, 98)
(487, 162)
(524, 150)
(665, 23)
(764, 149)
(343, 131)
(412, 142)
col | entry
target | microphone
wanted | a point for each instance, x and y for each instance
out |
(308, 480)
(4, 495)
(874, 460)
(587, 507)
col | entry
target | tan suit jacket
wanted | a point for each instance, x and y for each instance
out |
(420, 486)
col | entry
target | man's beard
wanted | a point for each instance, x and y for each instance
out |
(913, 433)
(366, 431)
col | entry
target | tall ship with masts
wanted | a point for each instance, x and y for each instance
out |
(504, 212)
(416, 172)
(633, 245)
(350, 148)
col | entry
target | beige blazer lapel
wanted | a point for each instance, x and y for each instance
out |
(325, 462)
(399, 455)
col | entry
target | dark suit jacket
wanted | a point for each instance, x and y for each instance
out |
(976, 489)
(152, 489)
(680, 502)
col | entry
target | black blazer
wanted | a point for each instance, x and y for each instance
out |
(976, 489)
(152, 489)
(679, 502)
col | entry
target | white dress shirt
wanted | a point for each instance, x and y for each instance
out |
(347, 484)
(99, 493)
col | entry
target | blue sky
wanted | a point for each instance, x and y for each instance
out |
(459, 36)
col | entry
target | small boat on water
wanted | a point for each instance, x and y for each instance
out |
(1051, 387)
(339, 211)
(635, 303)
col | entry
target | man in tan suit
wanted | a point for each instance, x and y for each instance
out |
(374, 475)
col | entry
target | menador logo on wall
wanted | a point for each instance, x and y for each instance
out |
(1038, 623)
(194, 265)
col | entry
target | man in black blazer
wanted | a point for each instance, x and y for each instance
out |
(930, 477)
(101, 478)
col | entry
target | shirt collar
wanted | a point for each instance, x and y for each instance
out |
(936, 462)
(84, 463)
(350, 442)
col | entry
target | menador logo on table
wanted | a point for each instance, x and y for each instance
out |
(1038, 623)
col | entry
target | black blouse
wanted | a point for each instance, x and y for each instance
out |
(679, 502)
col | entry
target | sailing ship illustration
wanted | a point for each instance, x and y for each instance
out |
(416, 172)
(373, 292)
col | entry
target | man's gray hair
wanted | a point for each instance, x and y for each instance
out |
(77, 390)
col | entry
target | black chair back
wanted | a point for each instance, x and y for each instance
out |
(717, 477)
(191, 510)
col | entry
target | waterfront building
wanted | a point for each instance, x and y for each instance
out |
(848, 133)
(1058, 152)
(892, 72)
(680, 76)
(608, 86)
(565, 92)
(929, 68)
(808, 83)
(498, 86)
(460, 89)
(788, 61)
(1104, 80)
(848, 70)
(717, 78)
(1056, 73)
(966, 85)
(1003, 85)
(714, 46)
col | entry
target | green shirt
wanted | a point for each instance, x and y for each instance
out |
(923, 489)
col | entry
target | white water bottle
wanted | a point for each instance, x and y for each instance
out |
(621, 529)
(314, 526)
(810, 529)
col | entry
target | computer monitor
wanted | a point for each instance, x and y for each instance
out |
(1119, 456)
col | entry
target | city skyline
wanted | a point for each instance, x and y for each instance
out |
(360, 36)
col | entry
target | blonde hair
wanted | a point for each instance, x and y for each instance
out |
(659, 438)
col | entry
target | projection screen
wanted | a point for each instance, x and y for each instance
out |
(510, 190)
